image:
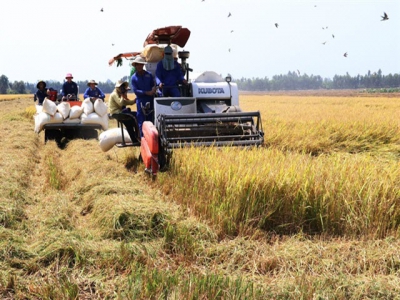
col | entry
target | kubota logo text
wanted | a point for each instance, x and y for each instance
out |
(211, 91)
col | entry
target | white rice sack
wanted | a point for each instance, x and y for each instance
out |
(44, 118)
(39, 109)
(87, 106)
(110, 137)
(49, 107)
(72, 121)
(100, 107)
(75, 112)
(64, 108)
(94, 118)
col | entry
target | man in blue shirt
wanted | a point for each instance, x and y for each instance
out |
(42, 92)
(169, 74)
(93, 92)
(69, 89)
(144, 88)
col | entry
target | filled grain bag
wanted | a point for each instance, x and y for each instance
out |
(110, 137)
(44, 118)
(64, 108)
(94, 118)
(87, 106)
(39, 108)
(100, 107)
(72, 121)
(75, 112)
(49, 107)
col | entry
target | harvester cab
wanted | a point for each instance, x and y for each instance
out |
(206, 114)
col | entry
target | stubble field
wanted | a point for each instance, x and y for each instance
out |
(313, 214)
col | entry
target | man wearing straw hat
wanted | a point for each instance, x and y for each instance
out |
(93, 92)
(143, 86)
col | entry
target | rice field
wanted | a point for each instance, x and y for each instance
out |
(313, 214)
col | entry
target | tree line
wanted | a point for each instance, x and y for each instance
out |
(290, 81)
(295, 81)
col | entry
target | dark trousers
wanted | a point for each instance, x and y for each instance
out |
(131, 125)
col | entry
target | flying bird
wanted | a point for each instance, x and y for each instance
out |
(385, 17)
(231, 31)
(333, 35)
(298, 72)
(345, 55)
(229, 15)
(112, 44)
(101, 10)
(229, 49)
(324, 43)
(276, 25)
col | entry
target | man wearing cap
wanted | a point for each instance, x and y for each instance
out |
(42, 92)
(117, 103)
(144, 88)
(69, 88)
(93, 92)
(169, 74)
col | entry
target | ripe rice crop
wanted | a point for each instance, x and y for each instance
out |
(329, 165)
(295, 219)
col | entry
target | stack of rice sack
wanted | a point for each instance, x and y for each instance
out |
(87, 113)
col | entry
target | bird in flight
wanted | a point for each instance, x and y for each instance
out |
(345, 55)
(101, 10)
(112, 44)
(229, 49)
(231, 31)
(229, 15)
(333, 35)
(298, 72)
(324, 43)
(276, 25)
(385, 17)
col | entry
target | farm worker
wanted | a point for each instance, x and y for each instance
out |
(69, 88)
(143, 86)
(169, 74)
(117, 104)
(93, 92)
(42, 92)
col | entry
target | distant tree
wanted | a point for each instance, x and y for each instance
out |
(18, 87)
(4, 84)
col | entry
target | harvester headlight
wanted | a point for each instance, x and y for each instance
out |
(228, 79)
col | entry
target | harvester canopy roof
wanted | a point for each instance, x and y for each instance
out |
(168, 35)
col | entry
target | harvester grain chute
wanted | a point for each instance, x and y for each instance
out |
(207, 114)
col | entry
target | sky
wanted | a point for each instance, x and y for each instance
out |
(45, 39)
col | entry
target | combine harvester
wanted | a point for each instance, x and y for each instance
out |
(207, 114)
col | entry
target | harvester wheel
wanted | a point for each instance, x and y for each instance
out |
(164, 159)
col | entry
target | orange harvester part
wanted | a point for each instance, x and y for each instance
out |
(145, 152)
(150, 133)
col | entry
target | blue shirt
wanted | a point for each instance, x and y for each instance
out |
(41, 94)
(69, 88)
(96, 93)
(169, 78)
(141, 84)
